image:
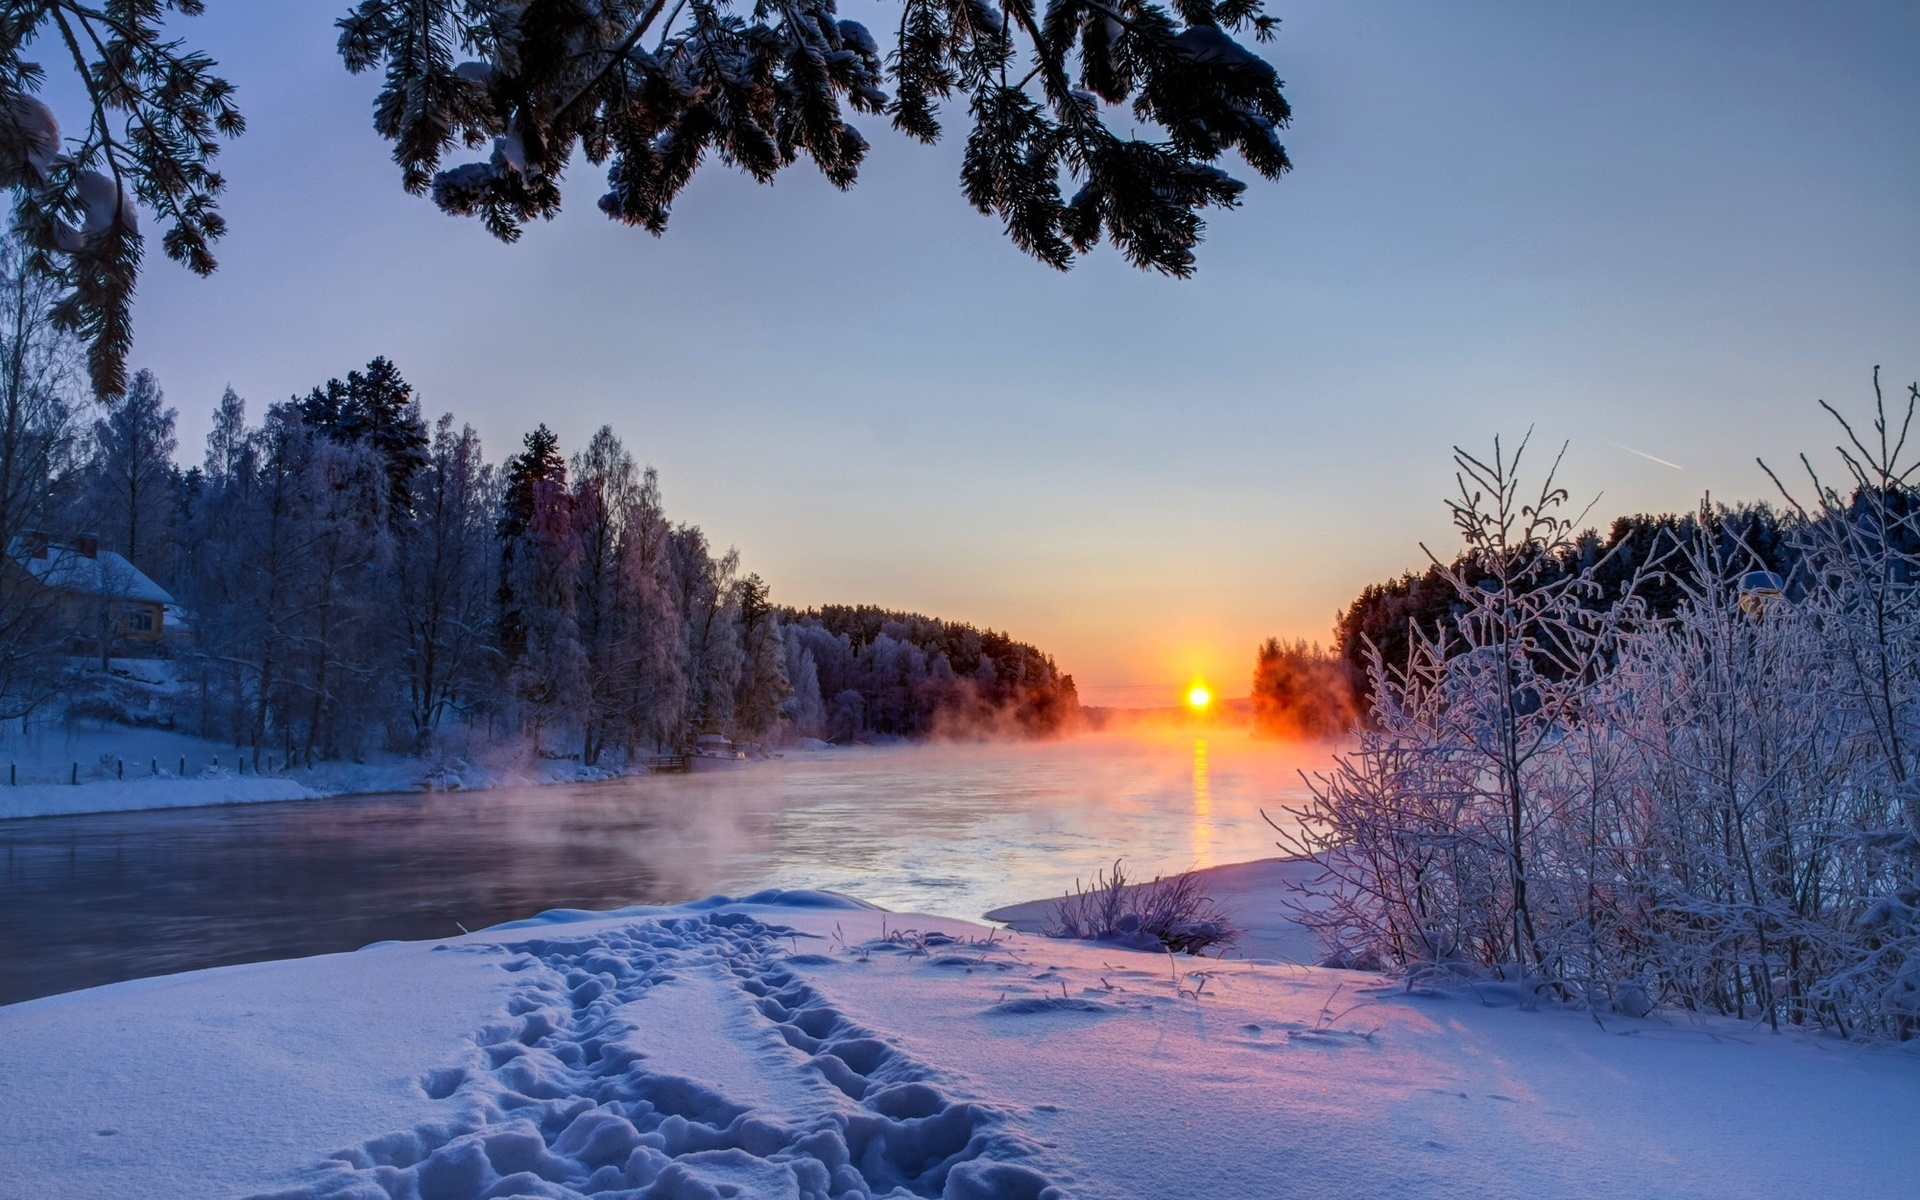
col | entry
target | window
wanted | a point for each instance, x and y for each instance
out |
(140, 620)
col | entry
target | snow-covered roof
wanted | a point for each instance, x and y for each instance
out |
(102, 574)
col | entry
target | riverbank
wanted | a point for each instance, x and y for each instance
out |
(801, 1044)
(92, 767)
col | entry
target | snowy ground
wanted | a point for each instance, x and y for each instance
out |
(800, 1045)
(121, 768)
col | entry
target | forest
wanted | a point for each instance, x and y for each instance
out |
(345, 578)
(1302, 689)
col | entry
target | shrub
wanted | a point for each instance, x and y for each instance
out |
(1172, 914)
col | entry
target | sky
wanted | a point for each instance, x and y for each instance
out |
(1659, 233)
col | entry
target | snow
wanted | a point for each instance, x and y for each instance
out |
(123, 768)
(43, 759)
(207, 1083)
(60, 799)
(39, 132)
(101, 572)
(801, 1044)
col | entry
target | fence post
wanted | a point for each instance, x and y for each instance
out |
(123, 767)
(75, 777)
(156, 766)
(13, 774)
(183, 766)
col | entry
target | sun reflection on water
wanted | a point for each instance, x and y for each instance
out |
(1202, 806)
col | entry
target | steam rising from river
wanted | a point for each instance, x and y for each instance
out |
(957, 829)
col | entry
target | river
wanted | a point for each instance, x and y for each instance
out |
(953, 830)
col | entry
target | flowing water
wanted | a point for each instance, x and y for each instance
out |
(948, 830)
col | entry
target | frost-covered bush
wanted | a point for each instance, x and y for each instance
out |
(1718, 809)
(1166, 913)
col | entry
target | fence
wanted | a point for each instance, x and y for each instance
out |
(110, 767)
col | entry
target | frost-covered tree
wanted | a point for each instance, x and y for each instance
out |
(709, 606)
(38, 406)
(916, 676)
(1131, 104)
(443, 576)
(339, 620)
(1861, 552)
(1693, 789)
(289, 586)
(538, 464)
(538, 619)
(655, 693)
(243, 575)
(804, 711)
(606, 488)
(764, 683)
(131, 480)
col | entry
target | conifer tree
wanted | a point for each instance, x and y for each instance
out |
(375, 409)
(1133, 102)
(534, 488)
(154, 114)
(131, 475)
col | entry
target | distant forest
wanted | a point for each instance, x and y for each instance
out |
(1302, 689)
(337, 576)
(861, 668)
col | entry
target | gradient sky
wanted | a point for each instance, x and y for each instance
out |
(1655, 230)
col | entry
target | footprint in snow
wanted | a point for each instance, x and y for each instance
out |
(553, 1103)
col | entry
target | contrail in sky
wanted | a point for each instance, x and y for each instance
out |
(1643, 454)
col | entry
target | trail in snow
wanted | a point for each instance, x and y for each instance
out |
(763, 1090)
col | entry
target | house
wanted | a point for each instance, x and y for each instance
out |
(82, 577)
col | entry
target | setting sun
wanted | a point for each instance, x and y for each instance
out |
(1199, 698)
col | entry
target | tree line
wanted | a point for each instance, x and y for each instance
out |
(351, 578)
(1304, 689)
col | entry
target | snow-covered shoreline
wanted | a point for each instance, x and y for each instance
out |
(217, 787)
(213, 776)
(802, 1044)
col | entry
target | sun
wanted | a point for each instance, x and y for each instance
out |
(1199, 698)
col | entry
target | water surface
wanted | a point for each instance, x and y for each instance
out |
(948, 830)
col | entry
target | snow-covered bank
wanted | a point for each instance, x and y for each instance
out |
(801, 1045)
(98, 796)
(1253, 895)
(122, 769)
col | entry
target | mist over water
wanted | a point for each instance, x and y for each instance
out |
(957, 830)
(953, 830)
